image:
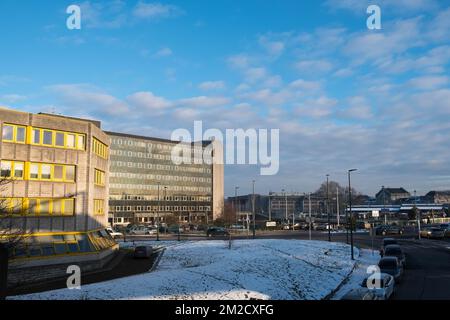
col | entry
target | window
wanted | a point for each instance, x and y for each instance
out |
(8, 133)
(80, 142)
(58, 172)
(99, 205)
(100, 149)
(20, 134)
(5, 169)
(70, 173)
(70, 140)
(99, 177)
(59, 141)
(18, 170)
(57, 207)
(34, 171)
(33, 206)
(47, 138)
(36, 136)
(69, 207)
(46, 170)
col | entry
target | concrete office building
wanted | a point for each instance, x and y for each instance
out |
(56, 190)
(146, 185)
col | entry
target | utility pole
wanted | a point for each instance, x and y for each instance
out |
(351, 214)
(328, 213)
(270, 209)
(253, 211)
(165, 198)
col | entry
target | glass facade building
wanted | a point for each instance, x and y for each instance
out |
(146, 185)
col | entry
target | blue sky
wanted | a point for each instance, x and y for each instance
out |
(342, 96)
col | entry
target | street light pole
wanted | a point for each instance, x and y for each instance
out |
(157, 214)
(235, 202)
(165, 198)
(328, 213)
(418, 212)
(351, 214)
(310, 222)
(253, 211)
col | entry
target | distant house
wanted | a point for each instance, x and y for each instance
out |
(391, 195)
(438, 197)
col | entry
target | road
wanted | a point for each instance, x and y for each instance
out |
(426, 277)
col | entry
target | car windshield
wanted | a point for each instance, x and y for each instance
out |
(388, 242)
(387, 263)
(394, 251)
(435, 229)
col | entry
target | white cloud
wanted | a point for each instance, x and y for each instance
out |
(153, 11)
(212, 85)
(239, 61)
(85, 96)
(148, 101)
(273, 48)
(12, 98)
(164, 52)
(203, 102)
(304, 85)
(314, 66)
(428, 82)
(317, 108)
(255, 74)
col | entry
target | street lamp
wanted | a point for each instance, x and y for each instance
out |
(157, 214)
(165, 199)
(328, 213)
(235, 203)
(253, 210)
(351, 214)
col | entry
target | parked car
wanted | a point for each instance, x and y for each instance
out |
(394, 250)
(140, 230)
(386, 242)
(392, 266)
(175, 229)
(114, 234)
(217, 231)
(432, 233)
(386, 286)
(388, 229)
(143, 252)
(360, 294)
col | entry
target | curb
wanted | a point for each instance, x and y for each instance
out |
(344, 281)
(158, 259)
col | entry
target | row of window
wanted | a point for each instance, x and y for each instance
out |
(51, 245)
(99, 207)
(151, 166)
(198, 155)
(158, 208)
(161, 197)
(43, 137)
(100, 149)
(38, 206)
(159, 177)
(138, 187)
(99, 177)
(37, 171)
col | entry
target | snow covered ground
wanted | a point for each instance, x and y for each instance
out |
(366, 259)
(261, 269)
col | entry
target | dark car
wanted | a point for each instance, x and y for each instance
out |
(388, 229)
(394, 250)
(216, 231)
(392, 266)
(143, 252)
(386, 242)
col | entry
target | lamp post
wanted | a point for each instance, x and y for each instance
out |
(328, 213)
(235, 204)
(418, 212)
(253, 211)
(157, 214)
(165, 199)
(310, 222)
(351, 214)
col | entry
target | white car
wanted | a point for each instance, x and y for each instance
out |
(114, 234)
(382, 289)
